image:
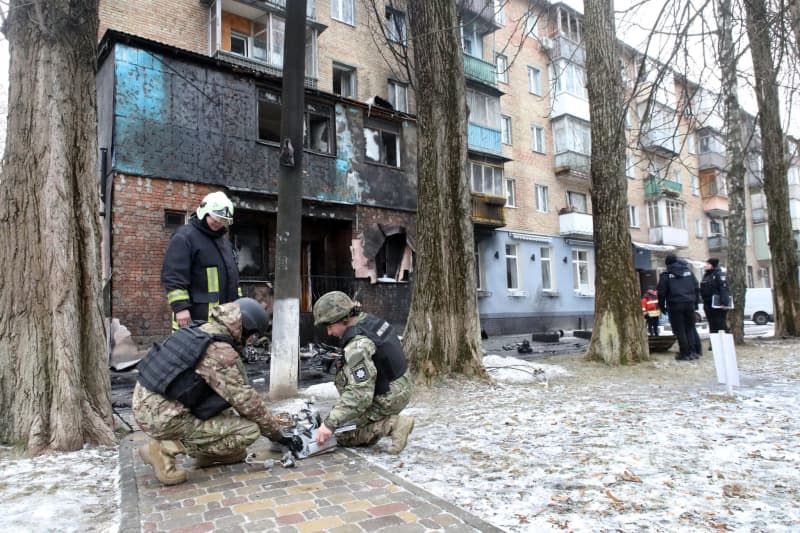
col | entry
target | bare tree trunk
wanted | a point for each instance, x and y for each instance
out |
(442, 334)
(737, 222)
(54, 383)
(786, 292)
(619, 335)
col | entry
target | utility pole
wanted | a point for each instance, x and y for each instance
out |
(286, 318)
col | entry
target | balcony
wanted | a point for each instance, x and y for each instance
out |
(669, 236)
(480, 13)
(484, 139)
(759, 215)
(716, 206)
(717, 243)
(487, 210)
(480, 70)
(573, 165)
(712, 160)
(661, 141)
(564, 48)
(661, 187)
(574, 224)
(258, 66)
(281, 4)
(565, 103)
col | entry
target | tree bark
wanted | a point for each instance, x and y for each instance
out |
(54, 382)
(737, 222)
(786, 292)
(442, 334)
(619, 335)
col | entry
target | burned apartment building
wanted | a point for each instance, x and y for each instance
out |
(174, 125)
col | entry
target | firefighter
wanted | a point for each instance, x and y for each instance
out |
(199, 269)
(373, 381)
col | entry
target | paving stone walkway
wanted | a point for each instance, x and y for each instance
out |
(336, 492)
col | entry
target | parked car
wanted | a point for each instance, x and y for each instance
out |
(758, 306)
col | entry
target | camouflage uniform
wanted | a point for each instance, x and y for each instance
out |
(372, 415)
(224, 372)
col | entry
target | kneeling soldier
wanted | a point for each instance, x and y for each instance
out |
(189, 387)
(373, 383)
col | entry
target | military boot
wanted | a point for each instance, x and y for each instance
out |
(402, 427)
(161, 456)
(203, 461)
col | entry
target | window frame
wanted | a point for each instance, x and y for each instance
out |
(633, 216)
(511, 191)
(571, 195)
(546, 262)
(392, 14)
(505, 130)
(534, 80)
(498, 183)
(352, 77)
(392, 89)
(580, 288)
(246, 41)
(538, 139)
(515, 259)
(338, 11)
(502, 73)
(383, 130)
(542, 197)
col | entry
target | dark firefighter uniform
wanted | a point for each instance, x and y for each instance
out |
(199, 270)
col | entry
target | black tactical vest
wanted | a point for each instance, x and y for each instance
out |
(168, 369)
(389, 358)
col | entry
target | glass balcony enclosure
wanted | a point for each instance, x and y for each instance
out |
(251, 33)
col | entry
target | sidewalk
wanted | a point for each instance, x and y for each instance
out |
(338, 492)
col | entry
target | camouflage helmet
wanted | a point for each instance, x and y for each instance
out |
(332, 307)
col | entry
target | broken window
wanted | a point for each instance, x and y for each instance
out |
(317, 131)
(269, 116)
(382, 146)
(344, 80)
(317, 128)
(249, 245)
(173, 220)
(391, 250)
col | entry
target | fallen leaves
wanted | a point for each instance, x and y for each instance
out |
(627, 476)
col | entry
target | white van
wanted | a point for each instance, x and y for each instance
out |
(758, 306)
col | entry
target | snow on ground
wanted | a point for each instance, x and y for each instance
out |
(656, 446)
(63, 492)
(564, 445)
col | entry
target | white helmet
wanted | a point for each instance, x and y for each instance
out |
(217, 204)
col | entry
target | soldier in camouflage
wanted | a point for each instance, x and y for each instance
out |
(373, 383)
(215, 435)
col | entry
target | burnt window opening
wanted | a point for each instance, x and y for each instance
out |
(173, 220)
(390, 257)
(317, 120)
(250, 252)
(382, 146)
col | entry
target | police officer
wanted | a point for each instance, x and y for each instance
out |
(187, 386)
(714, 286)
(373, 383)
(199, 269)
(679, 296)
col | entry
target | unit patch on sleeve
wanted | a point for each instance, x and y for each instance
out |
(360, 374)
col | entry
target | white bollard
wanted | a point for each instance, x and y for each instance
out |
(725, 360)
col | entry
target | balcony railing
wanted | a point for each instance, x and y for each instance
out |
(660, 140)
(574, 224)
(480, 70)
(717, 243)
(573, 164)
(483, 139)
(759, 215)
(712, 160)
(669, 236)
(658, 187)
(258, 66)
(480, 13)
(487, 210)
(310, 8)
(716, 206)
(564, 48)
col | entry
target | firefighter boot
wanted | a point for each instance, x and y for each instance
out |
(161, 456)
(402, 426)
(203, 461)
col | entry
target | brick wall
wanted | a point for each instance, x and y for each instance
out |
(179, 23)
